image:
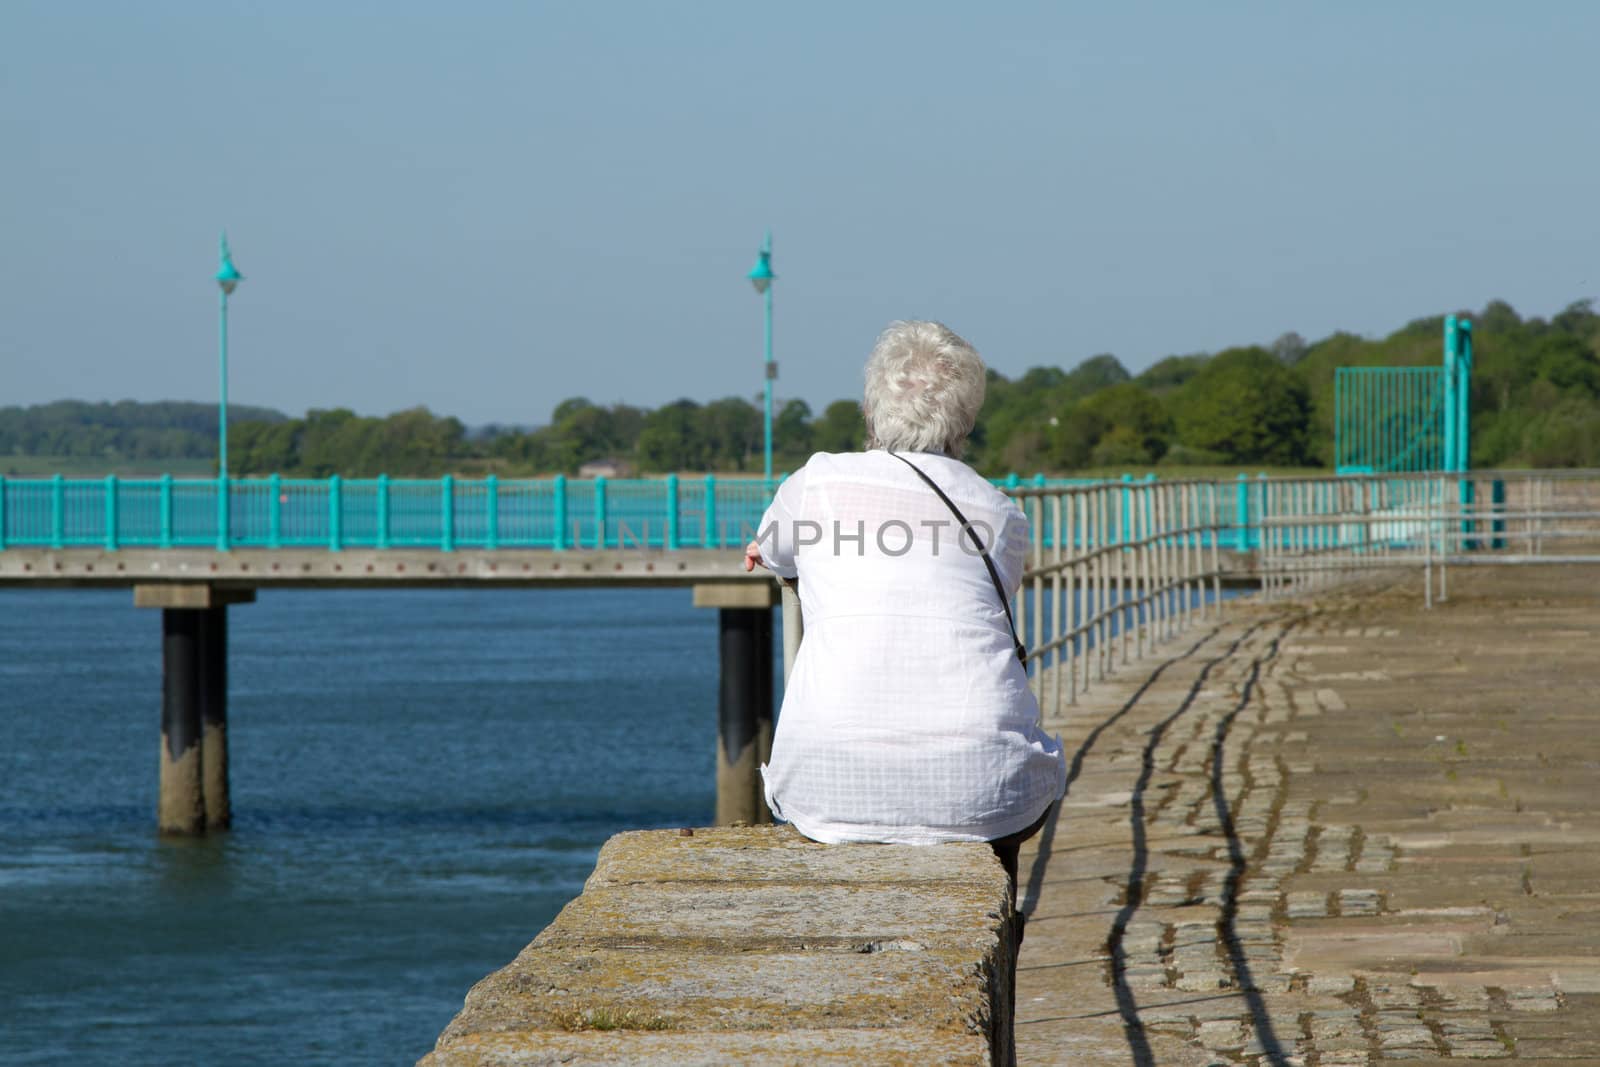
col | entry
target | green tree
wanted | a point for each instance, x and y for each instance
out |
(1168, 374)
(791, 432)
(1248, 407)
(840, 429)
(1290, 348)
(1073, 438)
(733, 432)
(1140, 426)
(265, 447)
(671, 441)
(1096, 373)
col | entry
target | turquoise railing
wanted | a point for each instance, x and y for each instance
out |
(449, 513)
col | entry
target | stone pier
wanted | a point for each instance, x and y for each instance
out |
(1332, 832)
(756, 946)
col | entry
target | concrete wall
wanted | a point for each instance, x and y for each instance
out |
(754, 945)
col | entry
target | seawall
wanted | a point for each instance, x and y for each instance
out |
(754, 945)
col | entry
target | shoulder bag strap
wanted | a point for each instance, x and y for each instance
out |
(966, 527)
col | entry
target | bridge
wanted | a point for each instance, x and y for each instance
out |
(1114, 564)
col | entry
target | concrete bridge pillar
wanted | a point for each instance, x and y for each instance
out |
(193, 796)
(744, 695)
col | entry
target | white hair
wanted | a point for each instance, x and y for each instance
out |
(924, 388)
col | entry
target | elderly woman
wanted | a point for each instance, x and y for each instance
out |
(909, 719)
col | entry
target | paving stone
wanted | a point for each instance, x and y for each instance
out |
(1403, 998)
(1358, 901)
(1406, 1037)
(1345, 1058)
(1464, 999)
(1479, 1050)
(1222, 1034)
(1330, 700)
(1306, 905)
(1466, 1028)
(1330, 984)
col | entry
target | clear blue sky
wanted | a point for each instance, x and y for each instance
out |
(486, 208)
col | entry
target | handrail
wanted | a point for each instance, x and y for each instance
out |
(444, 514)
(1117, 567)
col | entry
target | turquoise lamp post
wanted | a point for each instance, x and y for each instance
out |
(228, 279)
(761, 277)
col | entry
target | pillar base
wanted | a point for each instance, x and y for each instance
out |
(744, 714)
(193, 796)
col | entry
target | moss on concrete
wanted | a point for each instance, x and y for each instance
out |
(755, 945)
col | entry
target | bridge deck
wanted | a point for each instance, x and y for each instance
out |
(289, 568)
(1345, 830)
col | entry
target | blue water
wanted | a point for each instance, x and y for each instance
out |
(420, 781)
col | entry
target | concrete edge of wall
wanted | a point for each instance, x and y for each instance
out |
(754, 945)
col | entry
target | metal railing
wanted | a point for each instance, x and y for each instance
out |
(335, 513)
(445, 514)
(1315, 533)
(1137, 563)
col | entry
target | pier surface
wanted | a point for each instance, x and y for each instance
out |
(753, 945)
(1329, 832)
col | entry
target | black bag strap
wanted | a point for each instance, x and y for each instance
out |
(966, 527)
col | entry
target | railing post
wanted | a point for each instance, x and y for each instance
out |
(1261, 508)
(1497, 500)
(335, 514)
(558, 491)
(1038, 483)
(600, 512)
(58, 512)
(491, 506)
(383, 511)
(2, 512)
(447, 513)
(111, 513)
(275, 511)
(224, 514)
(1125, 513)
(672, 512)
(1241, 514)
(166, 511)
(1125, 571)
(711, 537)
(1427, 549)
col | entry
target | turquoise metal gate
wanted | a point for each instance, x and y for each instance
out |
(1401, 420)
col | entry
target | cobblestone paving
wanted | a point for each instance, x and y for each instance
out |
(1332, 831)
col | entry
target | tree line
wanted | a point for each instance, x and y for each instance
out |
(1535, 402)
(124, 430)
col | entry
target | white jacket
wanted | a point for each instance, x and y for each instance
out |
(908, 719)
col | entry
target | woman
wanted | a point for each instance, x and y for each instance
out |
(908, 719)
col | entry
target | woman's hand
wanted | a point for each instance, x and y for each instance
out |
(752, 556)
